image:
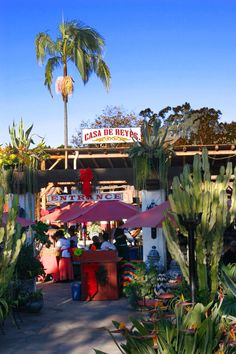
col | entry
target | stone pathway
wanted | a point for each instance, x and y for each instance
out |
(65, 326)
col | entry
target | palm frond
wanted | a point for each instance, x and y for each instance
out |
(51, 65)
(79, 60)
(44, 46)
(90, 40)
(103, 73)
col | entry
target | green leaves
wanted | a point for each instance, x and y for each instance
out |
(11, 240)
(226, 277)
(151, 157)
(44, 46)
(20, 152)
(194, 330)
(21, 139)
(3, 309)
(103, 73)
(51, 65)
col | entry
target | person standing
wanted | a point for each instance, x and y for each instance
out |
(64, 264)
(121, 243)
(48, 257)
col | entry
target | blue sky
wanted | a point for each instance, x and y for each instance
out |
(160, 52)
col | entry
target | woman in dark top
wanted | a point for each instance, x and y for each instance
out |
(121, 244)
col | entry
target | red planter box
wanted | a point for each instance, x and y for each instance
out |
(99, 276)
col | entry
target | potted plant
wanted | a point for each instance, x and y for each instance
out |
(30, 301)
(28, 268)
(143, 285)
(151, 156)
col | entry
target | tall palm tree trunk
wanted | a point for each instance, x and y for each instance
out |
(65, 131)
(65, 99)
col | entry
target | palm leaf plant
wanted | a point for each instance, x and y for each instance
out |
(20, 159)
(19, 162)
(228, 286)
(27, 152)
(195, 330)
(78, 44)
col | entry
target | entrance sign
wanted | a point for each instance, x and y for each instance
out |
(111, 135)
(62, 198)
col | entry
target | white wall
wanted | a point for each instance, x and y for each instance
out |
(153, 198)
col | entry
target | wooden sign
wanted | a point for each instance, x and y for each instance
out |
(62, 198)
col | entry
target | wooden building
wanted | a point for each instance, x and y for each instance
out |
(112, 167)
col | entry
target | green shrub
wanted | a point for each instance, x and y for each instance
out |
(28, 266)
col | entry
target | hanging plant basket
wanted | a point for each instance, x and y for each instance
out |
(152, 184)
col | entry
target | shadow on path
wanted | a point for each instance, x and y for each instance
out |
(65, 326)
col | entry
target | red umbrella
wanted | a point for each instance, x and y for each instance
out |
(149, 218)
(54, 216)
(23, 222)
(104, 210)
(60, 213)
(51, 209)
(74, 211)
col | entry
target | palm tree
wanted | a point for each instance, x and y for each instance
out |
(79, 44)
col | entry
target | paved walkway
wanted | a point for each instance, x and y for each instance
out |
(65, 326)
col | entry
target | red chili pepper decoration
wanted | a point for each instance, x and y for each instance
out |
(86, 177)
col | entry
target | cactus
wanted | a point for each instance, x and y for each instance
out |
(193, 193)
(11, 241)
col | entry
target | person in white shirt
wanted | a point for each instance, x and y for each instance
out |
(106, 244)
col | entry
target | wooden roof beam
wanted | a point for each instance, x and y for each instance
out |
(210, 152)
(91, 156)
(110, 163)
(125, 162)
(95, 163)
(54, 164)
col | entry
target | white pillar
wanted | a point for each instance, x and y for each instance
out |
(149, 200)
(25, 201)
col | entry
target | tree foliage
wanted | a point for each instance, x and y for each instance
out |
(189, 126)
(186, 126)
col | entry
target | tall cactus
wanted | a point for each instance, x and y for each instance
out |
(194, 192)
(11, 241)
